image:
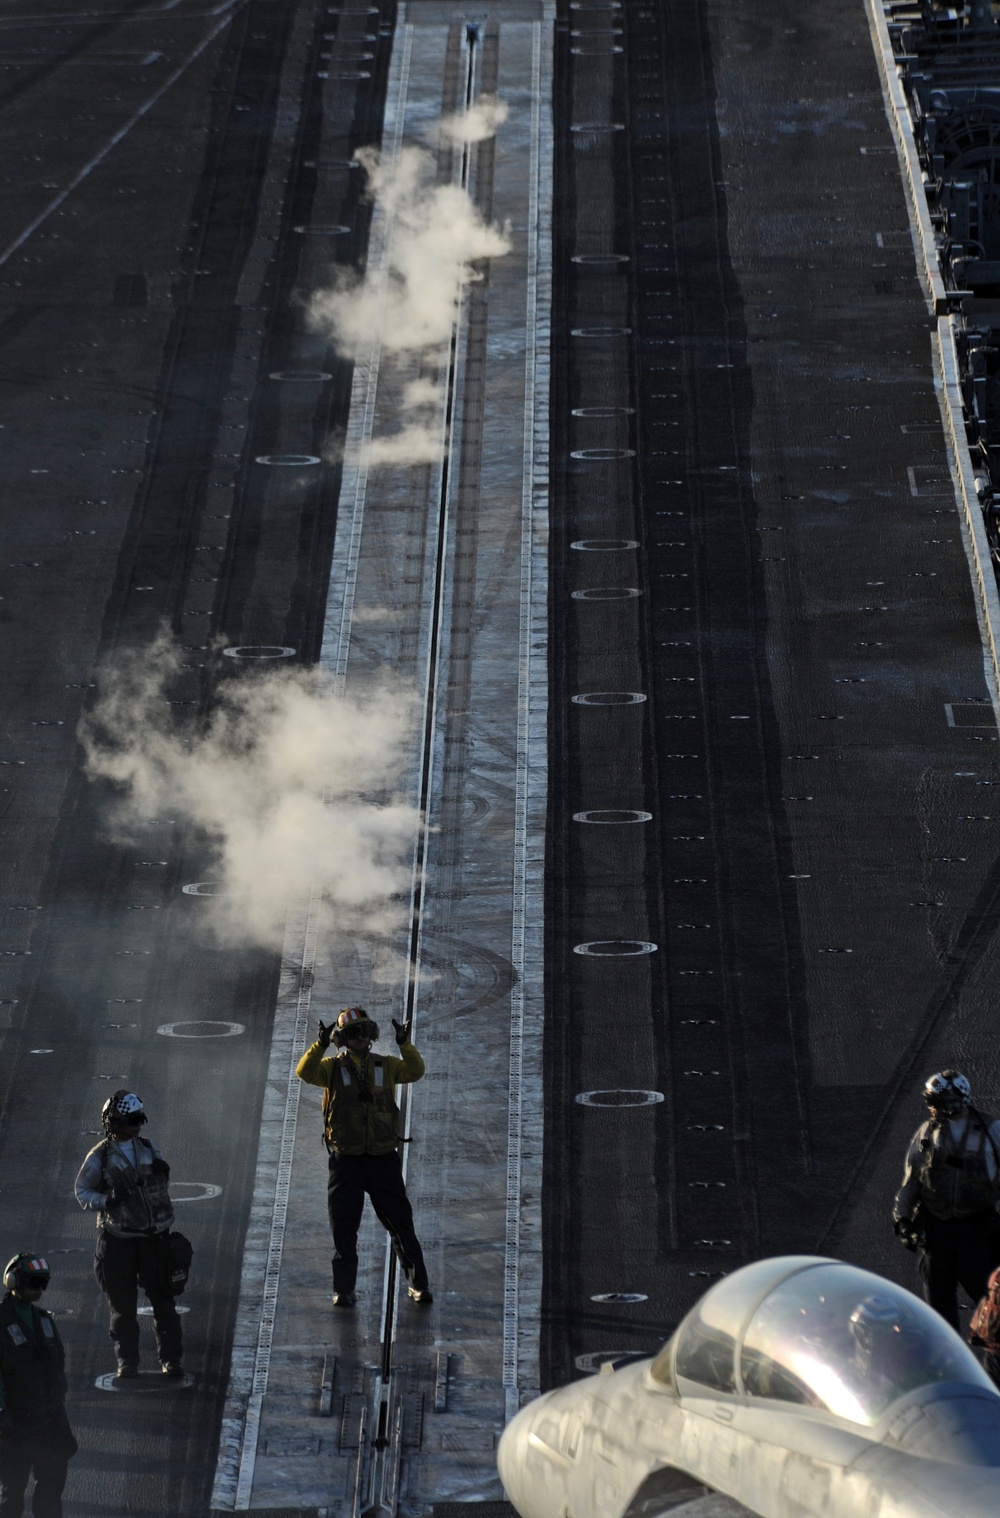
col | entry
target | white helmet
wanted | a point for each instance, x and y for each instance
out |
(948, 1091)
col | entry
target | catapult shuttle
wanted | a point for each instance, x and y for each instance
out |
(796, 1386)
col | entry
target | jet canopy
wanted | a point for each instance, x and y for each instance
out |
(818, 1333)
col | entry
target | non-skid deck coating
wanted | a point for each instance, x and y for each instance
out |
(824, 926)
(814, 887)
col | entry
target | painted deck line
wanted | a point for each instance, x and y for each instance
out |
(118, 137)
(522, 1244)
(253, 1337)
(364, 388)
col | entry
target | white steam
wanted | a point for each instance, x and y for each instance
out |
(292, 785)
(477, 123)
(436, 236)
(414, 443)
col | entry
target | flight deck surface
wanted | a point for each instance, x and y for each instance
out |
(679, 594)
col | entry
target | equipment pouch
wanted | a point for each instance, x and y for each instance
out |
(181, 1254)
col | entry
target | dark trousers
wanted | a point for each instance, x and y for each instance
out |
(46, 1451)
(959, 1252)
(121, 1266)
(380, 1176)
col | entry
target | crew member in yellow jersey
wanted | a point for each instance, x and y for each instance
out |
(361, 1133)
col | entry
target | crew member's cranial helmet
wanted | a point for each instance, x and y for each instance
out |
(948, 1091)
(122, 1108)
(26, 1270)
(354, 1020)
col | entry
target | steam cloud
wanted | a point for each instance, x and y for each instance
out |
(436, 237)
(477, 123)
(281, 782)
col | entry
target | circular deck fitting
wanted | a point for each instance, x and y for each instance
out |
(301, 376)
(207, 1028)
(609, 948)
(620, 1296)
(601, 260)
(609, 698)
(145, 1382)
(609, 593)
(619, 1098)
(601, 332)
(204, 1190)
(259, 651)
(288, 460)
(603, 453)
(604, 545)
(603, 411)
(338, 230)
(200, 888)
(612, 818)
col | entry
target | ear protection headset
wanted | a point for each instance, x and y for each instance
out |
(350, 1020)
(26, 1269)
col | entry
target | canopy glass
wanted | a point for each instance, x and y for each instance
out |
(818, 1333)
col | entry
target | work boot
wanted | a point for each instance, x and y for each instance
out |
(173, 1369)
(127, 1373)
(344, 1298)
(421, 1294)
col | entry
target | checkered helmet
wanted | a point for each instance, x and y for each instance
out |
(122, 1107)
(947, 1091)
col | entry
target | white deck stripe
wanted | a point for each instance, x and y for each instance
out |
(520, 1358)
(253, 1334)
(364, 387)
(122, 132)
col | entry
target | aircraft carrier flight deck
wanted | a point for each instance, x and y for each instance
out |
(498, 529)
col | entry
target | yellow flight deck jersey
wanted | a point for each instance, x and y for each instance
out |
(352, 1125)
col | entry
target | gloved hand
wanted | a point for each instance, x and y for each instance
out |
(325, 1034)
(908, 1233)
(6, 1424)
(160, 1167)
(402, 1031)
